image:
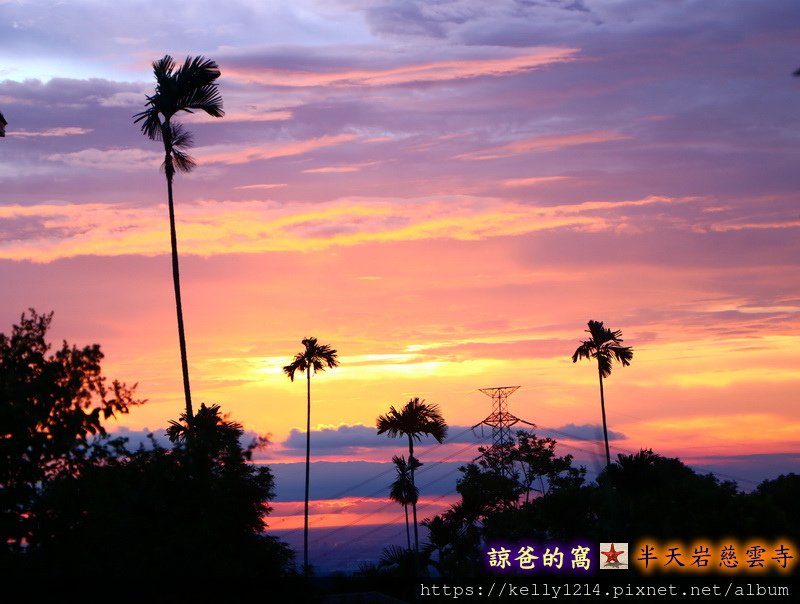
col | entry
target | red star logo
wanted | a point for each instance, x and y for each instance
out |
(612, 555)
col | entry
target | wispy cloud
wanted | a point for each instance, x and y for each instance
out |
(535, 180)
(234, 154)
(343, 168)
(220, 227)
(741, 226)
(50, 132)
(128, 159)
(414, 72)
(545, 143)
(266, 185)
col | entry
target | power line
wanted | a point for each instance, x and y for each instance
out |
(428, 465)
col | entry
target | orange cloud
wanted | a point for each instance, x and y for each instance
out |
(725, 227)
(229, 154)
(536, 180)
(211, 227)
(721, 429)
(433, 71)
(542, 143)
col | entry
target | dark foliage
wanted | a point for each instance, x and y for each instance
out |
(76, 504)
(154, 512)
(640, 495)
(51, 405)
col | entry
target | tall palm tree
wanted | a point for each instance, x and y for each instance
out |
(413, 420)
(403, 490)
(313, 356)
(605, 346)
(192, 86)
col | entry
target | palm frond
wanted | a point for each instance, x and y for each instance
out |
(314, 355)
(599, 333)
(196, 88)
(181, 140)
(603, 362)
(584, 351)
(299, 364)
(206, 98)
(394, 555)
(415, 419)
(163, 68)
(181, 137)
(151, 126)
(177, 432)
(623, 354)
(183, 161)
(389, 423)
(190, 86)
(197, 72)
(605, 347)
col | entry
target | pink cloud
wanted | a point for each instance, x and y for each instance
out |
(222, 227)
(248, 114)
(536, 180)
(431, 71)
(545, 143)
(263, 186)
(725, 227)
(229, 154)
(341, 168)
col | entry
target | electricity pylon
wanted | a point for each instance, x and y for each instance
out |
(501, 420)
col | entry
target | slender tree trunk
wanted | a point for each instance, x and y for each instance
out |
(408, 527)
(413, 503)
(308, 469)
(603, 409)
(176, 281)
(414, 507)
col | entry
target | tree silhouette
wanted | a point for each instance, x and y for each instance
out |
(77, 503)
(415, 419)
(3, 124)
(647, 494)
(51, 407)
(192, 514)
(533, 461)
(403, 490)
(443, 532)
(211, 440)
(313, 356)
(192, 86)
(604, 345)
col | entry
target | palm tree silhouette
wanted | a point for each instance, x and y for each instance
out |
(604, 346)
(313, 356)
(209, 436)
(190, 87)
(413, 420)
(403, 490)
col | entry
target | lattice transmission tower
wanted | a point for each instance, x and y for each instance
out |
(500, 419)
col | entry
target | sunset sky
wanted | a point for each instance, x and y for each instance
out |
(445, 192)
